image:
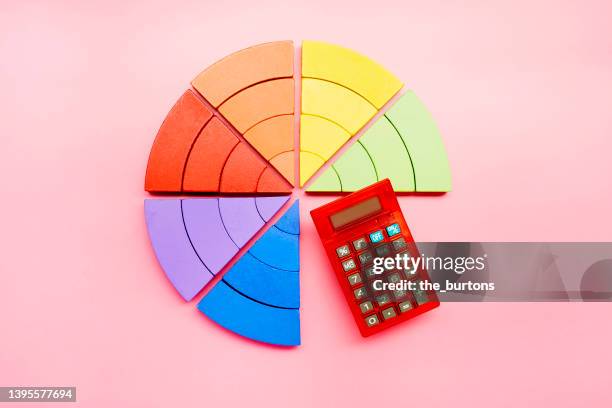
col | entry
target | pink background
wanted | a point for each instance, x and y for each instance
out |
(521, 91)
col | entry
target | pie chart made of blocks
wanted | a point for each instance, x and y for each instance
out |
(222, 168)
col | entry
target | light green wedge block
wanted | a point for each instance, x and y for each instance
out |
(421, 137)
(404, 145)
(354, 168)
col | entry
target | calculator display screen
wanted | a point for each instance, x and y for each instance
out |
(355, 212)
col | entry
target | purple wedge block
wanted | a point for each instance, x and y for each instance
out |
(172, 247)
(207, 233)
(268, 206)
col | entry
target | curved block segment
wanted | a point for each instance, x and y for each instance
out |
(274, 139)
(173, 143)
(264, 283)
(321, 138)
(244, 68)
(240, 218)
(207, 233)
(272, 136)
(328, 181)
(350, 69)
(258, 103)
(172, 247)
(271, 182)
(336, 103)
(251, 319)
(391, 159)
(354, 169)
(207, 157)
(278, 248)
(285, 164)
(290, 221)
(420, 134)
(268, 206)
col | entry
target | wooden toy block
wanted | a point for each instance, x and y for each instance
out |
(274, 139)
(349, 69)
(320, 138)
(331, 114)
(268, 206)
(173, 143)
(207, 233)
(335, 103)
(422, 139)
(271, 182)
(404, 145)
(264, 283)
(249, 318)
(208, 157)
(256, 298)
(172, 247)
(194, 239)
(258, 103)
(243, 69)
(244, 171)
(278, 247)
(241, 217)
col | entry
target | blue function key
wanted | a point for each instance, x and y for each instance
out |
(393, 229)
(376, 236)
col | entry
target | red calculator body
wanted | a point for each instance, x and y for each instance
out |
(357, 229)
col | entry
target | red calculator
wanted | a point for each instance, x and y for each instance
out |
(361, 231)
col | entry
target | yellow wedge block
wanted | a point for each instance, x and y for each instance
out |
(336, 103)
(349, 69)
(320, 137)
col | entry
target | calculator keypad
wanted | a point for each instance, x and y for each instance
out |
(378, 306)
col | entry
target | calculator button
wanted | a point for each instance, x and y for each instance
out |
(393, 229)
(388, 313)
(354, 279)
(420, 296)
(399, 244)
(372, 320)
(343, 251)
(394, 278)
(360, 293)
(405, 306)
(366, 307)
(376, 236)
(360, 244)
(348, 265)
(365, 257)
(369, 272)
(382, 300)
(383, 250)
(399, 294)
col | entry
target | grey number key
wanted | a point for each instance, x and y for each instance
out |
(354, 279)
(372, 320)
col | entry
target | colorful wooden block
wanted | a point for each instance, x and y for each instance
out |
(194, 239)
(196, 152)
(243, 69)
(251, 319)
(404, 145)
(350, 69)
(173, 143)
(172, 247)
